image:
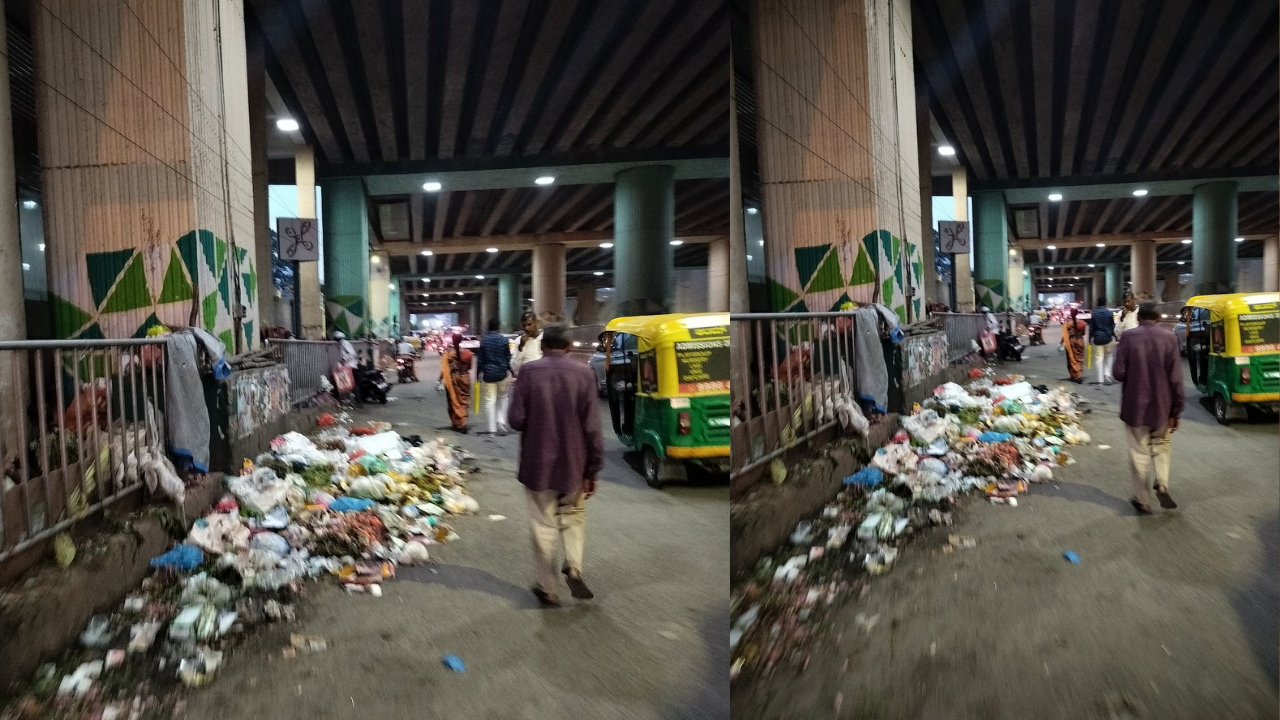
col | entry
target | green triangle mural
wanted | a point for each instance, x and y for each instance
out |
(227, 340)
(209, 306)
(897, 247)
(220, 253)
(131, 291)
(249, 282)
(886, 291)
(176, 287)
(207, 249)
(224, 289)
(67, 318)
(146, 325)
(248, 333)
(104, 268)
(93, 332)
(871, 241)
(780, 295)
(863, 274)
(844, 298)
(340, 322)
(897, 274)
(187, 247)
(807, 261)
(828, 277)
(901, 310)
(800, 306)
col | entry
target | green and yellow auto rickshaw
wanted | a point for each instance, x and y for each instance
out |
(667, 381)
(1233, 348)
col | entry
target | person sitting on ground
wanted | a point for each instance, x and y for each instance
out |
(1149, 365)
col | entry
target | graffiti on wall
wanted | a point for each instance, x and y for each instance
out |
(923, 356)
(188, 282)
(257, 398)
(880, 267)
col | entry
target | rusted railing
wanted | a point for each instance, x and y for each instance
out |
(308, 361)
(78, 420)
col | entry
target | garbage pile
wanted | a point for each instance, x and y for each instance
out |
(994, 436)
(350, 503)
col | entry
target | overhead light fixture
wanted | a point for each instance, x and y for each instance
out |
(1055, 197)
(26, 266)
(432, 186)
(544, 180)
(1050, 267)
(606, 245)
(1140, 192)
(427, 253)
(1026, 274)
(1091, 265)
(946, 150)
(29, 204)
(479, 277)
(41, 247)
(1239, 239)
(1050, 247)
(375, 259)
(1186, 241)
(1077, 278)
(491, 250)
(1101, 245)
(287, 124)
(426, 279)
(752, 211)
(453, 302)
(677, 242)
(598, 273)
(749, 258)
(459, 293)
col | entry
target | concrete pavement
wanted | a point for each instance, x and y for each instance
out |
(651, 646)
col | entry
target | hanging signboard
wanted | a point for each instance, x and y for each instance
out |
(954, 236)
(299, 239)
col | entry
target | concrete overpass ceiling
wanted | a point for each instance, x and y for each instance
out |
(407, 85)
(1101, 88)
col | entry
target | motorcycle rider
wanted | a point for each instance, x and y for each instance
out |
(405, 352)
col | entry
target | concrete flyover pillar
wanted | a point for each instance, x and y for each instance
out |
(1271, 264)
(990, 234)
(346, 256)
(1018, 295)
(510, 306)
(1213, 231)
(380, 294)
(308, 305)
(1142, 265)
(718, 275)
(396, 305)
(1098, 289)
(488, 307)
(961, 273)
(1115, 285)
(549, 281)
(13, 318)
(644, 225)
(255, 62)
(587, 309)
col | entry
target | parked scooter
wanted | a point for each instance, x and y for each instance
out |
(1008, 346)
(371, 386)
(406, 369)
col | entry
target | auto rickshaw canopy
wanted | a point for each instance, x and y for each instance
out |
(654, 330)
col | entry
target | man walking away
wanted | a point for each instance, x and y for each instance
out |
(530, 344)
(494, 356)
(1149, 366)
(553, 405)
(1102, 334)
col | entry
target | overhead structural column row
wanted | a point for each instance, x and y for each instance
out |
(991, 250)
(346, 255)
(644, 225)
(509, 302)
(1214, 219)
(1142, 268)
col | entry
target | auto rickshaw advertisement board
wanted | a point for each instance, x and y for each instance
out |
(703, 365)
(1260, 329)
(648, 372)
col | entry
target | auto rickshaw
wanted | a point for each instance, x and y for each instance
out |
(1233, 348)
(667, 381)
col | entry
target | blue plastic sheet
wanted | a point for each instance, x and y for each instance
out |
(183, 558)
(454, 663)
(867, 477)
(994, 437)
(350, 504)
(1071, 557)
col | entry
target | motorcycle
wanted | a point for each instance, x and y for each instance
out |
(1008, 346)
(406, 371)
(1035, 333)
(371, 386)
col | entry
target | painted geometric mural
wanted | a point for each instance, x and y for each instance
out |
(823, 278)
(187, 282)
(346, 313)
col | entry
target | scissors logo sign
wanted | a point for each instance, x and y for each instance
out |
(954, 236)
(299, 241)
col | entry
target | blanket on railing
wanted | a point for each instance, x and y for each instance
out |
(184, 398)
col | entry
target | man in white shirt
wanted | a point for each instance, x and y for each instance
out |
(405, 347)
(1128, 316)
(530, 346)
(347, 350)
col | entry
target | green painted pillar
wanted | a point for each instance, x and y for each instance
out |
(991, 249)
(396, 310)
(1115, 286)
(1028, 291)
(643, 226)
(509, 302)
(346, 255)
(1214, 217)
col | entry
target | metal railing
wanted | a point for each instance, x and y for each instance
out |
(79, 420)
(308, 361)
(963, 331)
(790, 374)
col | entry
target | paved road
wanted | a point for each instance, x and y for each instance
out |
(1170, 616)
(651, 646)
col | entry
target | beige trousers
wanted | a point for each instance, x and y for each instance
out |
(1148, 447)
(555, 520)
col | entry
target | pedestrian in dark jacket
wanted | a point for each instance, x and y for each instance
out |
(554, 408)
(1149, 365)
(494, 356)
(1102, 335)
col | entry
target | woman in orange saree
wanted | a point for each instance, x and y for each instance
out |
(1073, 334)
(455, 372)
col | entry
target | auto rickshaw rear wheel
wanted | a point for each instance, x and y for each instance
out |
(1222, 409)
(651, 465)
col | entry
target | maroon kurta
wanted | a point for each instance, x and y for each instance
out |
(1150, 366)
(553, 406)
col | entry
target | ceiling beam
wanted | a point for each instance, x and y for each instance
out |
(460, 246)
(499, 209)
(442, 212)
(498, 68)
(1085, 241)
(321, 23)
(283, 45)
(462, 26)
(464, 213)
(373, 44)
(416, 27)
(415, 216)
(553, 31)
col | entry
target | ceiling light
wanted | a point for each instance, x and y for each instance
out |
(29, 204)
(26, 266)
(427, 253)
(761, 243)
(598, 273)
(606, 245)
(1186, 241)
(432, 186)
(1076, 278)
(41, 247)
(1055, 197)
(1091, 265)
(677, 242)
(1026, 274)
(544, 180)
(458, 293)
(1239, 239)
(1140, 192)
(1050, 247)
(479, 277)
(946, 150)
(752, 211)
(426, 279)
(748, 258)
(1050, 267)
(287, 124)
(453, 302)
(375, 259)
(491, 250)
(1182, 262)
(391, 286)
(1101, 245)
